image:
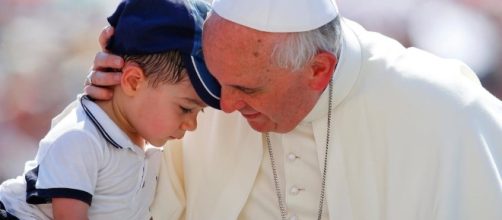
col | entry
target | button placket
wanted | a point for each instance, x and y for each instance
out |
(301, 170)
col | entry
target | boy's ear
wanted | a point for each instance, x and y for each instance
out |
(322, 67)
(133, 78)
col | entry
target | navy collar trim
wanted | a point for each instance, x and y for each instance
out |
(100, 128)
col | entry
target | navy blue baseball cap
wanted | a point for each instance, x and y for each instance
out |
(158, 26)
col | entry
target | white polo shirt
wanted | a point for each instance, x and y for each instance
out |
(85, 156)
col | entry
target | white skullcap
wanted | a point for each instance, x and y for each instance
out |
(278, 15)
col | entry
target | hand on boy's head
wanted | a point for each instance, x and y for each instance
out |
(104, 36)
(100, 85)
(104, 60)
(105, 71)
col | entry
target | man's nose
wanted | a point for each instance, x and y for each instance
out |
(230, 100)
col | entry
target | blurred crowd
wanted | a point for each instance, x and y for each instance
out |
(47, 47)
(467, 30)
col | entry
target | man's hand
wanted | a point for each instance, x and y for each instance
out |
(104, 73)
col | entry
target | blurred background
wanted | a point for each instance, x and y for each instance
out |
(47, 47)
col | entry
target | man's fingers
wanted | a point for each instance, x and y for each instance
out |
(103, 79)
(98, 93)
(103, 76)
(105, 36)
(103, 61)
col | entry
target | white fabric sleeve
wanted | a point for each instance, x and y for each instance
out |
(68, 169)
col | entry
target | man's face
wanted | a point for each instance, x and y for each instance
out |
(271, 98)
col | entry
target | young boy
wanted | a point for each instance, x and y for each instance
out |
(95, 162)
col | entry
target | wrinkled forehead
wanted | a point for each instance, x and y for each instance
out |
(246, 43)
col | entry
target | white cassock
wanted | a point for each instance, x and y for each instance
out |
(413, 136)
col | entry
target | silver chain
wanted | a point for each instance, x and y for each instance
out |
(280, 199)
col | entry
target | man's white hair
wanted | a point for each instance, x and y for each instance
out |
(300, 47)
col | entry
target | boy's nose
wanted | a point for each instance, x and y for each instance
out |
(190, 124)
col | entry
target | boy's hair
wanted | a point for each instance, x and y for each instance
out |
(160, 68)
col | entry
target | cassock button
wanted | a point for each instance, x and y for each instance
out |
(294, 190)
(292, 157)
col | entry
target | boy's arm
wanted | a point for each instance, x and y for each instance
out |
(64, 208)
(66, 175)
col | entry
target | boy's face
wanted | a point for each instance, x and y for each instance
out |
(164, 112)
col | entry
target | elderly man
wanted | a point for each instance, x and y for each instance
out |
(329, 121)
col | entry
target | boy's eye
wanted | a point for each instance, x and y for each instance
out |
(185, 110)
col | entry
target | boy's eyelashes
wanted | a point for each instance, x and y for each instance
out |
(186, 110)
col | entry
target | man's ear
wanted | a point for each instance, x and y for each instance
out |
(322, 66)
(133, 78)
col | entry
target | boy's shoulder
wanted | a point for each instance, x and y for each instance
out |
(85, 121)
(73, 124)
(73, 131)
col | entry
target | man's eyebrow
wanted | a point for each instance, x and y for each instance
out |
(240, 87)
(245, 89)
(197, 102)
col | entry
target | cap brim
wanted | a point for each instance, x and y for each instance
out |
(206, 86)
